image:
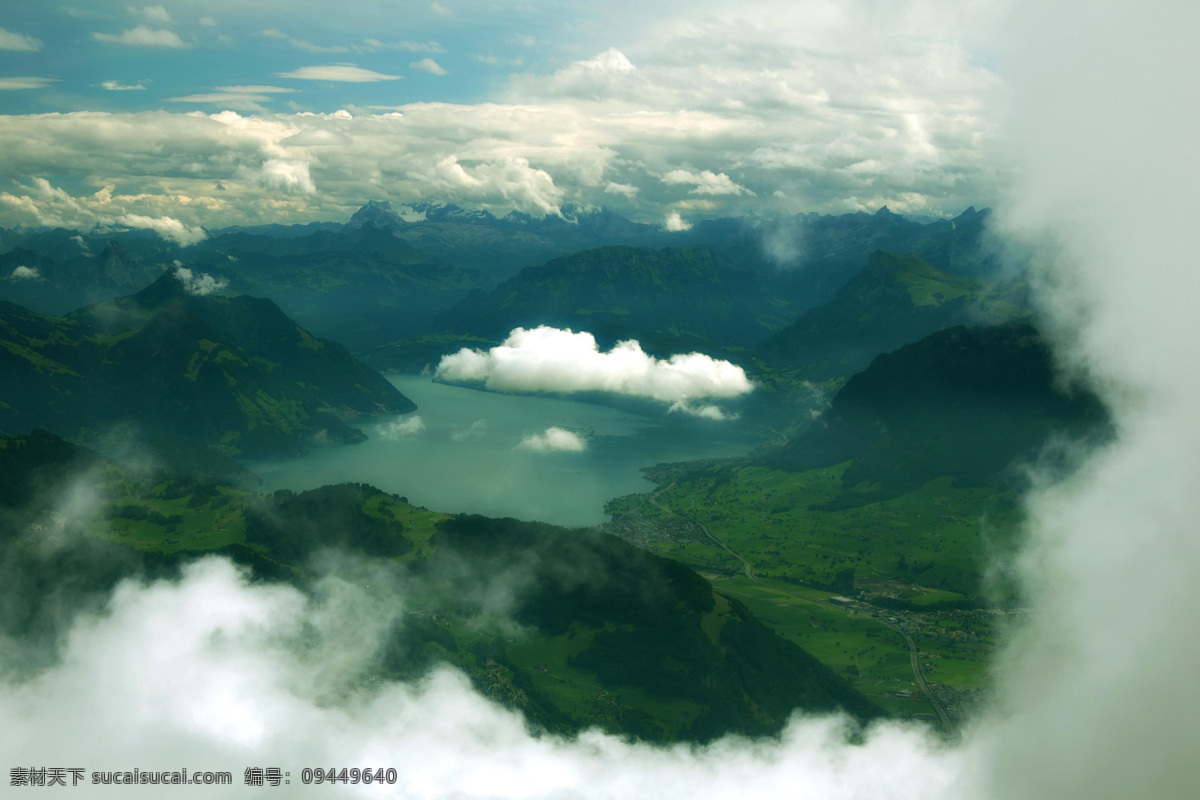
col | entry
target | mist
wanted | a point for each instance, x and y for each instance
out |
(1098, 695)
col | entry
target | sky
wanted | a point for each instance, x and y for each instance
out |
(220, 113)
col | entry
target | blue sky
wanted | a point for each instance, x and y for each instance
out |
(214, 113)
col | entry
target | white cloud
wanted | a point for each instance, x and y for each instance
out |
(440, 10)
(142, 36)
(611, 60)
(706, 182)
(402, 428)
(547, 359)
(430, 66)
(554, 439)
(208, 22)
(199, 284)
(15, 84)
(675, 223)
(168, 228)
(625, 189)
(24, 273)
(157, 14)
(798, 103)
(607, 75)
(18, 41)
(117, 86)
(512, 181)
(289, 175)
(213, 670)
(344, 73)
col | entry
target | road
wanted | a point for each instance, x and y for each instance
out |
(913, 651)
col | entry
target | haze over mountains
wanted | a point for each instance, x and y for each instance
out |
(365, 288)
(231, 373)
(194, 359)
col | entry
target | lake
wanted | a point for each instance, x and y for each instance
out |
(464, 454)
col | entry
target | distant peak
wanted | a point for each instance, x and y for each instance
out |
(375, 212)
(167, 286)
(884, 211)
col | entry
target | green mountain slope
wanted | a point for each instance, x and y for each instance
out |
(878, 538)
(232, 373)
(361, 286)
(963, 403)
(684, 295)
(575, 628)
(895, 300)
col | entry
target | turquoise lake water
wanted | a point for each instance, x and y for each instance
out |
(466, 458)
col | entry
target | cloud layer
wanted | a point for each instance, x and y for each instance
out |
(199, 283)
(215, 673)
(554, 439)
(547, 359)
(402, 428)
(672, 115)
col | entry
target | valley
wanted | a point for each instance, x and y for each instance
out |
(665, 546)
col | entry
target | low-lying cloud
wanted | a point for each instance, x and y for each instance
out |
(168, 228)
(214, 672)
(402, 428)
(199, 283)
(546, 359)
(554, 439)
(24, 273)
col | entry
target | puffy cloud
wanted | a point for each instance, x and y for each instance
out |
(706, 182)
(167, 227)
(214, 670)
(625, 189)
(675, 223)
(343, 73)
(509, 182)
(440, 10)
(547, 359)
(554, 439)
(809, 102)
(11, 84)
(199, 284)
(402, 428)
(142, 36)
(18, 41)
(606, 75)
(289, 175)
(430, 66)
(24, 273)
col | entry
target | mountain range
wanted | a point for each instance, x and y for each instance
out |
(233, 373)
